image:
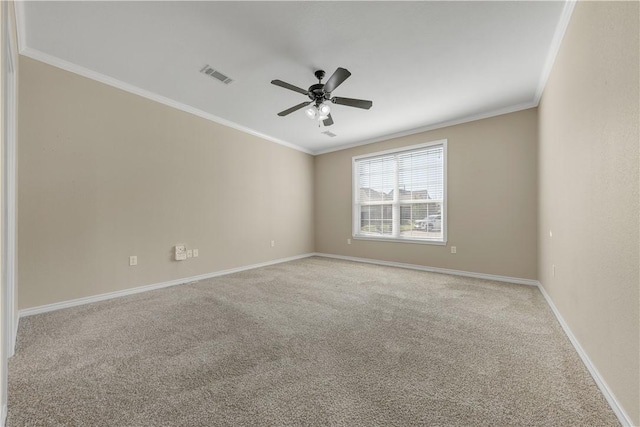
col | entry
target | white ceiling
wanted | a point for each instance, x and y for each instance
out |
(422, 64)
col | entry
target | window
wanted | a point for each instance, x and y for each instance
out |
(400, 195)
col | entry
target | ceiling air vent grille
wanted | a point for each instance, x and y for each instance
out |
(329, 133)
(215, 74)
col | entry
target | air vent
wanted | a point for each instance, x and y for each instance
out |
(215, 74)
(329, 133)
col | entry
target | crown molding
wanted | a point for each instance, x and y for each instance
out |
(94, 75)
(102, 78)
(18, 10)
(462, 120)
(556, 42)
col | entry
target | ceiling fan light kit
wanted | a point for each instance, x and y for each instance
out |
(320, 112)
(320, 95)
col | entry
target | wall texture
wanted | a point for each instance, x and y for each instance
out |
(104, 174)
(491, 180)
(588, 187)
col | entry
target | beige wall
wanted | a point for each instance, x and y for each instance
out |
(491, 204)
(104, 174)
(589, 191)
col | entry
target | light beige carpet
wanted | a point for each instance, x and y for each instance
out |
(309, 342)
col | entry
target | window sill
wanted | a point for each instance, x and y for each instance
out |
(385, 239)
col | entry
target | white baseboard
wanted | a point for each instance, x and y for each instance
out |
(517, 280)
(624, 419)
(87, 300)
(602, 385)
(101, 297)
(3, 415)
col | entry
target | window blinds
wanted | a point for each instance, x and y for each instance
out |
(400, 195)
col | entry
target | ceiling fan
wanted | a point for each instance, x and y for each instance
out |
(320, 95)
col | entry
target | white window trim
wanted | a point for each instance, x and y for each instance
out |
(355, 213)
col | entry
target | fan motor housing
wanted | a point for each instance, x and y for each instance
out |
(316, 92)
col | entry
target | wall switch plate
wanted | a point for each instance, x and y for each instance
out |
(189, 253)
(348, 241)
(195, 253)
(454, 250)
(133, 260)
(553, 270)
(273, 243)
(181, 252)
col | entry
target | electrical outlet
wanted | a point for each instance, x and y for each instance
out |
(133, 260)
(348, 241)
(189, 253)
(553, 270)
(181, 252)
(454, 250)
(273, 243)
(195, 253)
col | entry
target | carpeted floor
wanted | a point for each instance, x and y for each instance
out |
(309, 342)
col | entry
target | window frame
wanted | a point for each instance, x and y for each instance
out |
(355, 191)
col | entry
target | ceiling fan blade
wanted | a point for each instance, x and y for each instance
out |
(350, 102)
(328, 121)
(289, 86)
(295, 108)
(340, 75)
